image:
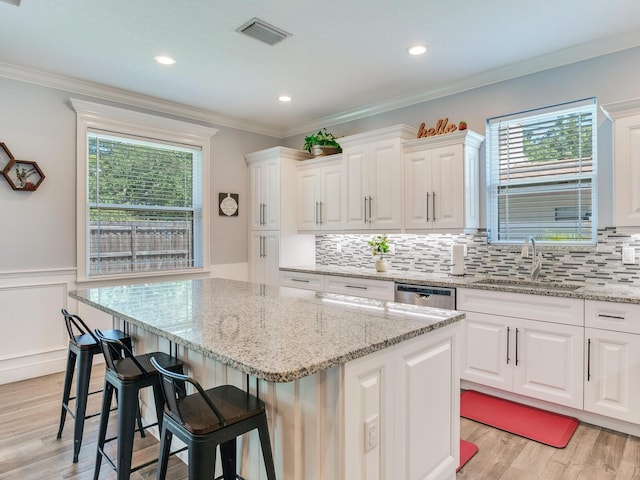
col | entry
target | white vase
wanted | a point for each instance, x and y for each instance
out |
(381, 265)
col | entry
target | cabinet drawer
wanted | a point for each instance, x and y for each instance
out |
(308, 281)
(620, 317)
(569, 311)
(360, 287)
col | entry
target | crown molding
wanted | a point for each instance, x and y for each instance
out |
(560, 58)
(111, 94)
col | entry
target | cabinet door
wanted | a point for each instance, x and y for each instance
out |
(309, 184)
(627, 171)
(417, 184)
(264, 261)
(357, 187)
(487, 351)
(264, 193)
(447, 184)
(385, 184)
(611, 380)
(332, 196)
(548, 362)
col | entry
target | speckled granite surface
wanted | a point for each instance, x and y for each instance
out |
(611, 292)
(276, 333)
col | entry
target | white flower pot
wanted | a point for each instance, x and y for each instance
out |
(381, 265)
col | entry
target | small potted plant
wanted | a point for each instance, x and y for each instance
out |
(321, 143)
(380, 246)
(462, 125)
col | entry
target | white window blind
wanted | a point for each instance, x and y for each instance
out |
(541, 175)
(145, 205)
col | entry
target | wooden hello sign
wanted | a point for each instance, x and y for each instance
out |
(442, 127)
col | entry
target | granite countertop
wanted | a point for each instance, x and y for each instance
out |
(622, 293)
(275, 333)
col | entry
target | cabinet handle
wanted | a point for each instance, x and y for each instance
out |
(427, 207)
(320, 212)
(358, 287)
(370, 208)
(262, 214)
(264, 217)
(508, 335)
(261, 245)
(301, 280)
(588, 360)
(365, 209)
(316, 213)
(434, 206)
(517, 332)
(265, 246)
(616, 317)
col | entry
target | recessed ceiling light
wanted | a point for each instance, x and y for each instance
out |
(416, 50)
(284, 98)
(164, 60)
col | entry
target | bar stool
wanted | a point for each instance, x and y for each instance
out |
(83, 345)
(206, 419)
(128, 374)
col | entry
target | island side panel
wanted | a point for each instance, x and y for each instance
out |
(305, 420)
(402, 410)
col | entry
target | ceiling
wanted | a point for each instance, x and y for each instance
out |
(344, 60)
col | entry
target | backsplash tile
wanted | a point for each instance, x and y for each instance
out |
(431, 253)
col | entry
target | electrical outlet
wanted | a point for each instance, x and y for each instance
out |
(338, 247)
(628, 256)
(392, 249)
(371, 433)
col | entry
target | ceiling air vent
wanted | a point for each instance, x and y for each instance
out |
(261, 30)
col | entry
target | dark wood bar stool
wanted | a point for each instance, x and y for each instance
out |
(127, 375)
(206, 419)
(83, 346)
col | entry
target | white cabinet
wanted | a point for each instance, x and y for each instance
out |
(321, 194)
(359, 287)
(612, 359)
(441, 185)
(403, 410)
(304, 280)
(512, 342)
(626, 163)
(264, 257)
(272, 213)
(374, 169)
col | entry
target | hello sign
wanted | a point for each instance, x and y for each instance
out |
(442, 127)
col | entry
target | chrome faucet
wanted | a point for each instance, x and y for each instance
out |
(536, 258)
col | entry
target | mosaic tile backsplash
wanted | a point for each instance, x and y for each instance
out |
(432, 253)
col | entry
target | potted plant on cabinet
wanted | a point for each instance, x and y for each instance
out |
(321, 143)
(380, 246)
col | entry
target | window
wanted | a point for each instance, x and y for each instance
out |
(142, 185)
(541, 175)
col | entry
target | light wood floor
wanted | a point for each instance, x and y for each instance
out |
(29, 450)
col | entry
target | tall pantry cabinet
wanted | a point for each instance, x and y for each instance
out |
(272, 211)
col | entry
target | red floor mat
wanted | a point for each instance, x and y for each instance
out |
(529, 422)
(467, 450)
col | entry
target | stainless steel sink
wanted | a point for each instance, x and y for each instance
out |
(506, 283)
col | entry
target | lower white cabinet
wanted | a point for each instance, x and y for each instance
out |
(359, 287)
(612, 359)
(403, 407)
(536, 358)
(307, 281)
(264, 249)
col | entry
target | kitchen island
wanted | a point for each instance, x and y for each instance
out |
(355, 388)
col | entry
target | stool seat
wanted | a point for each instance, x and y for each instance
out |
(83, 346)
(207, 419)
(128, 369)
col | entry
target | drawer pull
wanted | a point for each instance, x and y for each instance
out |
(616, 317)
(301, 280)
(357, 287)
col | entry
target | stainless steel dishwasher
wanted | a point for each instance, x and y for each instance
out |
(437, 297)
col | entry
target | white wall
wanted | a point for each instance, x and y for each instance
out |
(37, 229)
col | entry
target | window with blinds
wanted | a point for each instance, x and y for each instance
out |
(144, 205)
(541, 175)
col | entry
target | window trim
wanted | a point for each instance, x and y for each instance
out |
(557, 110)
(93, 116)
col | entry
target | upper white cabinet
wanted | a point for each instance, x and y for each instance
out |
(442, 186)
(264, 194)
(626, 163)
(321, 194)
(374, 169)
